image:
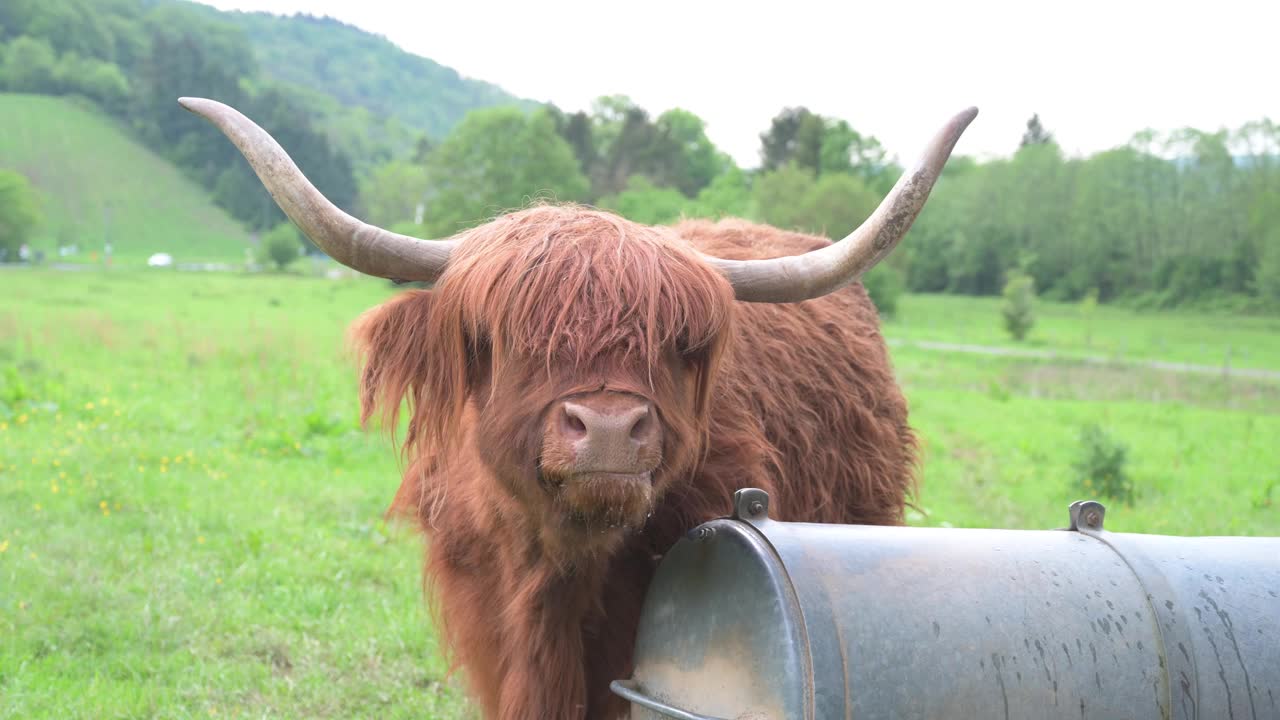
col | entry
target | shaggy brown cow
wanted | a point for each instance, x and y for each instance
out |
(583, 389)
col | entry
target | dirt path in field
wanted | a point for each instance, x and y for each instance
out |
(1179, 367)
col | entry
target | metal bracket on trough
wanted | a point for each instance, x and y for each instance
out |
(751, 505)
(1087, 515)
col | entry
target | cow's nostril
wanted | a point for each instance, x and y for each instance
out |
(640, 430)
(573, 421)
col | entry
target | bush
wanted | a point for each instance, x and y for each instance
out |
(884, 284)
(1088, 306)
(1018, 308)
(19, 213)
(1100, 465)
(282, 245)
(1268, 278)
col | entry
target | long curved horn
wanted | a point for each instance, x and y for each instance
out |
(358, 245)
(818, 272)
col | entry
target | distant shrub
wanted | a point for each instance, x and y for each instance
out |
(1088, 306)
(1018, 308)
(19, 213)
(1100, 465)
(885, 285)
(1268, 278)
(282, 245)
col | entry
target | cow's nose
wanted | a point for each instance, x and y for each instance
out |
(610, 432)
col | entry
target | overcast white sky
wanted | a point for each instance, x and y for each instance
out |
(1095, 71)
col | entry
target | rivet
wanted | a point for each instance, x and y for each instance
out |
(756, 507)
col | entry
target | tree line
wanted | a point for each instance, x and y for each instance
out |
(1183, 217)
(1186, 217)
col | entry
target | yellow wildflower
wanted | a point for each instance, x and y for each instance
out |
(32, 556)
(22, 418)
(103, 402)
(38, 507)
(200, 539)
(164, 468)
(164, 459)
(4, 545)
(53, 488)
(4, 426)
(218, 580)
(141, 469)
(103, 504)
(57, 462)
(88, 405)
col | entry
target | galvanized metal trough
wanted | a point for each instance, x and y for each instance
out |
(751, 618)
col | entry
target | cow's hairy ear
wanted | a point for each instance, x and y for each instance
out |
(395, 344)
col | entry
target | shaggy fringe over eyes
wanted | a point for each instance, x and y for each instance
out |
(562, 285)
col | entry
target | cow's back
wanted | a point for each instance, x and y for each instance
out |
(817, 377)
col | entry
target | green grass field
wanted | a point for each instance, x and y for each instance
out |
(96, 184)
(191, 520)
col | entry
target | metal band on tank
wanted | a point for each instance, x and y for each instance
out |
(1086, 519)
(751, 507)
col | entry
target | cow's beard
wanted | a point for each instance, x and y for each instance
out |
(600, 503)
(586, 517)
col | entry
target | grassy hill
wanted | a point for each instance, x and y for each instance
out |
(97, 183)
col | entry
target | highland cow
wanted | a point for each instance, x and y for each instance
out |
(581, 390)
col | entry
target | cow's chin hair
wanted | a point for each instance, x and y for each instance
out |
(599, 504)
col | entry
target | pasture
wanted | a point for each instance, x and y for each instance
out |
(191, 519)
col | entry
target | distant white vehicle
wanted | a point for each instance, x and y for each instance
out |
(160, 260)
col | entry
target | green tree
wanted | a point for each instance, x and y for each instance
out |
(644, 202)
(778, 197)
(832, 205)
(728, 195)
(495, 160)
(19, 212)
(282, 245)
(30, 65)
(392, 192)
(1088, 309)
(1035, 133)
(885, 285)
(1018, 309)
(836, 204)
(1268, 281)
(795, 135)
(694, 159)
(106, 83)
(845, 150)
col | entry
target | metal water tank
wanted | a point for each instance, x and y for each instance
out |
(750, 618)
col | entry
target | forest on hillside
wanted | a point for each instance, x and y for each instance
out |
(134, 58)
(1177, 217)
